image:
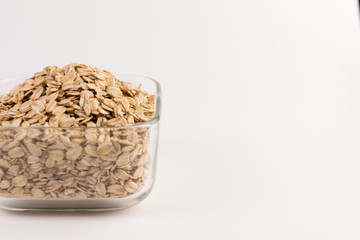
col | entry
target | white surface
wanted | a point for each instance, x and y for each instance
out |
(260, 131)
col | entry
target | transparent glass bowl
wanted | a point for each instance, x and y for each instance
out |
(78, 168)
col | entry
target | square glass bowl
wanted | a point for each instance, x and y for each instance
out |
(78, 168)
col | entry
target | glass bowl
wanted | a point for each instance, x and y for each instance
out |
(78, 168)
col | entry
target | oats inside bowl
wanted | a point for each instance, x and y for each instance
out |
(72, 132)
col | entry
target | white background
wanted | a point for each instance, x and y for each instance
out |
(260, 130)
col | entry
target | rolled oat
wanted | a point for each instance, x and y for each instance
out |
(73, 148)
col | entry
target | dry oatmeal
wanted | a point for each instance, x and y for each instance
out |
(60, 137)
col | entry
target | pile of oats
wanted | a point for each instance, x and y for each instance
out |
(75, 95)
(94, 159)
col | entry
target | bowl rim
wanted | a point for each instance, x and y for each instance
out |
(155, 119)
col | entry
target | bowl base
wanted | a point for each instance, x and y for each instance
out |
(72, 205)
